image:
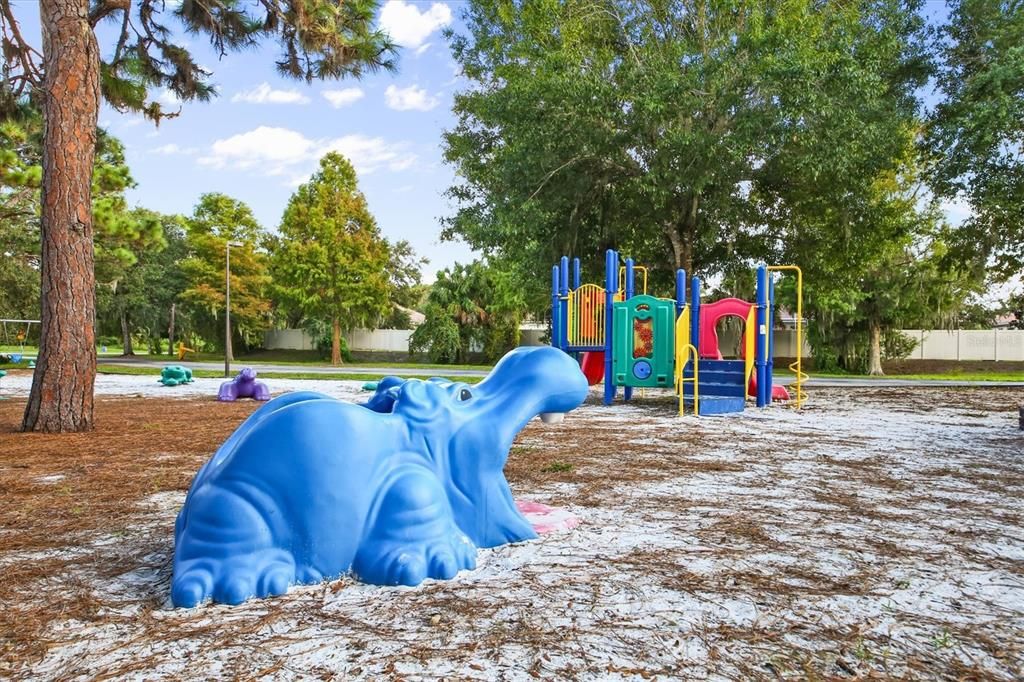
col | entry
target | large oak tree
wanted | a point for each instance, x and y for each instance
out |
(672, 128)
(976, 133)
(318, 39)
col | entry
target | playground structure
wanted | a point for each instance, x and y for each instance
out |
(21, 334)
(628, 338)
(182, 350)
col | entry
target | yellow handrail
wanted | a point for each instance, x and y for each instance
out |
(796, 367)
(695, 380)
(683, 351)
(636, 268)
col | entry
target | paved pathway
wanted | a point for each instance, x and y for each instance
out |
(272, 368)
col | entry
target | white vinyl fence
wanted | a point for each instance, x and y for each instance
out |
(987, 344)
(968, 344)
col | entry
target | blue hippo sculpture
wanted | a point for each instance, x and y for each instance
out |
(402, 488)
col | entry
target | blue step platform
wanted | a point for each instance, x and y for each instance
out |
(722, 387)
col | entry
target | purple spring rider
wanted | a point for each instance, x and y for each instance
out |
(243, 386)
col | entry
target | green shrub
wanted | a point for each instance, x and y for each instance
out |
(897, 346)
(438, 336)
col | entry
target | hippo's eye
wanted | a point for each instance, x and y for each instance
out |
(464, 394)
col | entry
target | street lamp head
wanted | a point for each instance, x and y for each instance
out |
(236, 244)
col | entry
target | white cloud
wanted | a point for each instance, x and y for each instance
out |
(368, 154)
(409, 27)
(271, 148)
(264, 94)
(168, 97)
(280, 151)
(410, 98)
(344, 97)
(423, 48)
(171, 148)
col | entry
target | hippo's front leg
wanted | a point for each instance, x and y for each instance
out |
(414, 535)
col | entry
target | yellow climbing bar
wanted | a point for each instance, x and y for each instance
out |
(796, 368)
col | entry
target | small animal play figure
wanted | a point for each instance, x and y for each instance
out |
(173, 375)
(243, 386)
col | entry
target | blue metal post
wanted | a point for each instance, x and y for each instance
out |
(611, 284)
(695, 313)
(680, 291)
(760, 348)
(575, 273)
(557, 336)
(770, 360)
(563, 299)
(627, 392)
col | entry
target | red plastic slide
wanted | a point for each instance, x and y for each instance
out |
(778, 392)
(593, 366)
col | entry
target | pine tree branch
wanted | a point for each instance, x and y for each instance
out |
(104, 9)
(17, 50)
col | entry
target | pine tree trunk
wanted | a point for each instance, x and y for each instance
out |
(61, 398)
(336, 343)
(126, 334)
(875, 352)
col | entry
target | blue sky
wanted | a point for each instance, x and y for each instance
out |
(264, 134)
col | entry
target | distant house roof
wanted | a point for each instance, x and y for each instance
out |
(1004, 321)
(416, 318)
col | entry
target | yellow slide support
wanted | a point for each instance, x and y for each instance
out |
(799, 395)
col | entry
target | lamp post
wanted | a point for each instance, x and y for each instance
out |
(227, 307)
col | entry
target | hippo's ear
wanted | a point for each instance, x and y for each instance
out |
(420, 400)
(383, 399)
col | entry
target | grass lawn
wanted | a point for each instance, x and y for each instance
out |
(952, 375)
(214, 374)
(33, 351)
(310, 358)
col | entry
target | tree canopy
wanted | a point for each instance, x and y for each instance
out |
(684, 132)
(976, 134)
(217, 221)
(331, 262)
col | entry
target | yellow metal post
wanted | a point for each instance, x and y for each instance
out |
(796, 367)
